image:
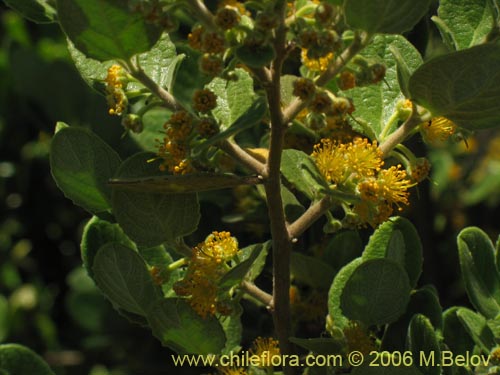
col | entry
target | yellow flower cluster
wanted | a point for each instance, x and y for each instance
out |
(316, 65)
(115, 94)
(265, 348)
(356, 168)
(174, 148)
(207, 265)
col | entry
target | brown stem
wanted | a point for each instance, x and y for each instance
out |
(202, 13)
(281, 244)
(313, 213)
(257, 293)
(243, 157)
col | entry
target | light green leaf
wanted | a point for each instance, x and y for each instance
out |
(106, 29)
(236, 274)
(233, 329)
(339, 282)
(376, 104)
(39, 11)
(468, 21)
(177, 326)
(96, 234)
(475, 325)
(299, 169)
(462, 86)
(258, 263)
(81, 164)
(150, 219)
(422, 339)
(477, 262)
(384, 16)
(233, 97)
(377, 292)
(159, 63)
(122, 275)
(311, 271)
(17, 359)
(398, 240)
(153, 121)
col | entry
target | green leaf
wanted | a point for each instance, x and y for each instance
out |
(159, 257)
(260, 259)
(189, 183)
(122, 275)
(106, 29)
(384, 16)
(236, 274)
(177, 326)
(320, 345)
(476, 327)
(234, 97)
(468, 21)
(17, 359)
(311, 271)
(343, 248)
(454, 333)
(293, 208)
(462, 86)
(339, 282)
(96, 234)
(39, 11)
(4, 318)
(424, 301)
(81, 164)
(299, 169)
(422, 340)
(150, 219)
(376, 293)
(376, 104)
(159, 63)
(255, 56)
(153, 121)
(251, 117)
(398, 240)
(233, 329)
(477, 262)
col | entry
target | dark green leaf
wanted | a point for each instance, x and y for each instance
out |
(468, 21)
(336, 290)
(367, 369)
(462, 86)
(397, 239)
(150, 219)
(96, 234)
(376, 293)
(233, 329)
(4, 318)
(454, 333)
(177, 326)
(385, 16)
(477, 262)
(252, 116)
(122, 275)
(258, 263)
(256, 56)
(17, 359)
(424, 301)
(236, 275)
(82, 164)
(311, 271)
(299, 169)
(343, 248)
(475, 325)
(422, 340)
(106, 29)
(39, 11)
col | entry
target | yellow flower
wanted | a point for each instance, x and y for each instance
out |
(364, 158)
(116, 81)
(219, 246)
(358, 339)
(316, 65)
(265, 349)
(438, 130)
(329, 158)
(393, 185)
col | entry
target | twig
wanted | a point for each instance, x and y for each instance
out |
(257, 293)
(202, 13)
(235, 151)
(313, 213)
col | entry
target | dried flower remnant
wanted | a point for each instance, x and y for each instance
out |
(204, 100)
